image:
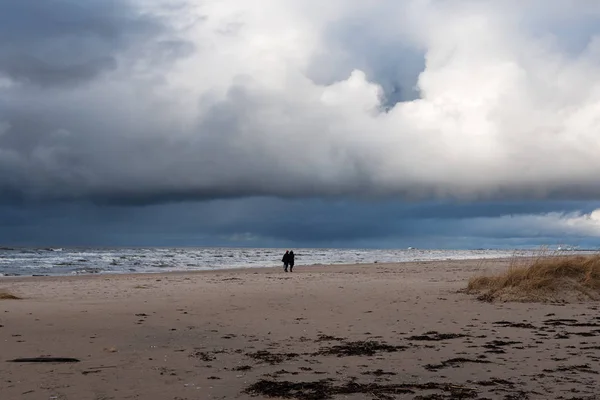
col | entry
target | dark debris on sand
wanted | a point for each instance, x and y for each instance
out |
(495, 382)
(508, 324)
(500, 343)
(359, 348)
(272, 358)
(202, 355)
(378, 372)
(574, 368)
(435, 336)
(45, 360)
(292, 390)
(454, 362)
(570, 322)
(496, 346)
(517, 396)
(325, 389)
(329, 338)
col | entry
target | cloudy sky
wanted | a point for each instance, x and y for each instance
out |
(424, 123)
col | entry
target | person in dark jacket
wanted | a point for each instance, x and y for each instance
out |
(285, 260)
(291, 260)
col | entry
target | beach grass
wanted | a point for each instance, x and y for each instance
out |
(142, 287)
(544, 278)
(5, 295)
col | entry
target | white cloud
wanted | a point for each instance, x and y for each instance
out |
(555, 224)
(506, 108)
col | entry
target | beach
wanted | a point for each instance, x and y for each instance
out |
(371, 331)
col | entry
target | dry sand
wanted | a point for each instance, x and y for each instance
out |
(393, 331)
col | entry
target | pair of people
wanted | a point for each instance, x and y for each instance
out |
(288, 260)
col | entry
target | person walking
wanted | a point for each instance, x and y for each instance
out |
(291, 260)
(285, 260)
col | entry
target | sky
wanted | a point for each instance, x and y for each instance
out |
(300, 123)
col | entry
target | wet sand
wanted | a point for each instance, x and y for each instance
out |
(380, 331)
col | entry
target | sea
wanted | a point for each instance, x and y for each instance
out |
(69, 261)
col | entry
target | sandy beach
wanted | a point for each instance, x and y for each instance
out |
(378, 331)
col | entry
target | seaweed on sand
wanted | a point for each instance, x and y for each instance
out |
(272, 358)
(325, 389)
(359, 348)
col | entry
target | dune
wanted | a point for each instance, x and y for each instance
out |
(542, 279)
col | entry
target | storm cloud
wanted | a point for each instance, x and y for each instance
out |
(271, 222)
(67, 42)
(123, 102)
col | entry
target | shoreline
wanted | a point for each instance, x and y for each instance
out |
(299, 268)
(126, 261)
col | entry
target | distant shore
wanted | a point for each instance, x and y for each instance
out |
(397, 329)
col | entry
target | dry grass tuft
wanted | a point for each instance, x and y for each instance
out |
(553, 278)
(4, 295)
(142, 287)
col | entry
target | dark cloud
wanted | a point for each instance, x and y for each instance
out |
(67, 42)
(269, 222)
(31, 69)
(131, 103)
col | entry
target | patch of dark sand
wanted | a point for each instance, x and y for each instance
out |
(325, 389)
(454, 362)
(435, 336)
(358, 348)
